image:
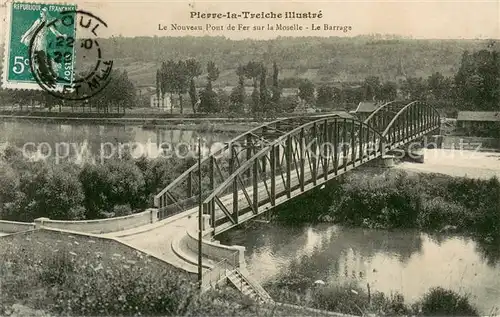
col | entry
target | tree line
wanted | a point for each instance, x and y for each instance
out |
(475, 86)
(118, 95)
(178, 77)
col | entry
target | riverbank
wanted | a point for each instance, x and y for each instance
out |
(196, 124)
(62, 274)
(395, 199)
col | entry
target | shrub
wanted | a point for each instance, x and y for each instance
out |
(442, 302)
(50, 190)
(96, 187)
(126, 183)
(121, 210)
(437, 212)
(9, 185)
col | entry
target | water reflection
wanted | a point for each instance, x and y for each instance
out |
(408, 262)
(106, 138)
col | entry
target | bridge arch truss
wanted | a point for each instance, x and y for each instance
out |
(277, 161)
(303, 158)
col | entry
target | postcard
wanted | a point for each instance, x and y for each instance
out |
(230, 157)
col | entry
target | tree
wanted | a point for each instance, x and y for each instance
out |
(288, 103)
(264, 93)
(9, 186)
(120, 92)
(208, 97)
(326, 95)
(224, 101)
(478, 79)
(352, 95)
(306, 91)
(238, 94)
(126, 183)
(276, 90)
(180, 81)
(436, 85)
(388, 91)
(372, 88)
(51, 191)
(168, 79)
(51, 101)
(125, 91)
(159, 94)
(252, 71)
(414, 88)
(193, 70)
(96, 188)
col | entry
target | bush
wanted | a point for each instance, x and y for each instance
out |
(96, 187)
(126, 183)
(437, 212)
(398, 200)
(48, 190)
(121, 210)
(442, 302)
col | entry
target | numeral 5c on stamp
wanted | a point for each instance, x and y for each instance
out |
(32, 33)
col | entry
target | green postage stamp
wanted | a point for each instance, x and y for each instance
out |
(36, 29)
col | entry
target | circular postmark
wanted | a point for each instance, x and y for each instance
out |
(65, 66)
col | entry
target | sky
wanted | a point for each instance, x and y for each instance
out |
(416, 19)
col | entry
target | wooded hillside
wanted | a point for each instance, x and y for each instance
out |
(318, 59)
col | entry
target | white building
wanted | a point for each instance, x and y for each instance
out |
(162, 103)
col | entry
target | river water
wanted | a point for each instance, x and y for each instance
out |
(70, 141)
(408, 262)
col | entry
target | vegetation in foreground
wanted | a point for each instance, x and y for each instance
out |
(74, 276)
(354, 300)
(68, 191)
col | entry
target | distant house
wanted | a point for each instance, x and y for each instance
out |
(364, 109)
(479, 123)
(162, 103)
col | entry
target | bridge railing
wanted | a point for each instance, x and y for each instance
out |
(219, 271)
(305, 156)
(410, 122)
(182, 194)
(380, 118)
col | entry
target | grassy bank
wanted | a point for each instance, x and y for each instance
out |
(395, 199)
(354, 300)
(48, 273)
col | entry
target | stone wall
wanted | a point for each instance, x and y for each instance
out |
(101, 225)
(15, 226)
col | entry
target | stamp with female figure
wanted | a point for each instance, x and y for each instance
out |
(35, 32)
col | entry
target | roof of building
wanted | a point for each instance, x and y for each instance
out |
(366, 106)
(478, 116)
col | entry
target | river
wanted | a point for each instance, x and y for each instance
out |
(72, 140)
(409, 262)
